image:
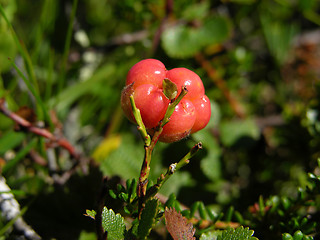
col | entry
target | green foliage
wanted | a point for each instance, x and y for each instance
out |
(169, 89)
(148, 217)
(124, 161)
(279, 37)
(68, 60)
(7, 44)
(238, 233)
(113, 224)
(298, 235)
(182, 41)
(10, 140)
(91, 213)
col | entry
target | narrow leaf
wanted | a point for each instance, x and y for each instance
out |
(147, 218)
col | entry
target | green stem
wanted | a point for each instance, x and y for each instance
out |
(150, 143)
(172, 106)
(141, 126)
(171, 170)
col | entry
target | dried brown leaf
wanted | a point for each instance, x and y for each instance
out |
(178, 226)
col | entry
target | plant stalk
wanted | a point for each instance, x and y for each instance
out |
(149, 143)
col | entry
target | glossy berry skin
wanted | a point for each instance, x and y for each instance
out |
(144, 82)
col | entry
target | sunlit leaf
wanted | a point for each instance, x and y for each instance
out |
(108, 145)
(113, 224)
(91, 213)
(169, 89)
(239, 234)
(212, 235)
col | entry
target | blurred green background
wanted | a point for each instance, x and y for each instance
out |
(258, 59)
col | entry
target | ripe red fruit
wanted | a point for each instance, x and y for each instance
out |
(185, 77)
(144, 82)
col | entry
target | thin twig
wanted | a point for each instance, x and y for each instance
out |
(29, 127)
(53, 142)
(149, 145)
(171, 170)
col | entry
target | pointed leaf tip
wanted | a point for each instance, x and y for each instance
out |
(169, 88)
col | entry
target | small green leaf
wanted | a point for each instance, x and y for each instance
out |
(113, 224)
(287, 236)
(169, 88)
(229, 214)
(147, 218)
(124, 196)
(239, 233)
(112, 194)
(91, 213)
(202, 211)
(238, 217)
(298, 235)
(212, 215)
(172, 198)
(194, 208)
(212, 235)
(131, 188)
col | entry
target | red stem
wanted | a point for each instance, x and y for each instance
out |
(28, 126)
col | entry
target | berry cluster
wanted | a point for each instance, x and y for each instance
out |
(145, 83)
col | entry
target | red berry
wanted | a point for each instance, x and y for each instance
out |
(185, 77)
(125, 102)
(203, 113)
(152, 104)
(144, 82)
(148, 71)
(181, 122)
